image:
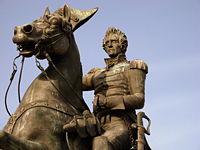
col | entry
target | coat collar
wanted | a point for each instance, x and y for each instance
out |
(110, 62)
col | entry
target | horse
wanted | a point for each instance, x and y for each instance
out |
(55, 96)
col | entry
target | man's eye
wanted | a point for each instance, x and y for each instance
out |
(106, 43)
(114, 41)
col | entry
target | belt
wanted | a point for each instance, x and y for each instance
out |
(117, 113)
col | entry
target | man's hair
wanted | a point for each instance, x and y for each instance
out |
(122, 37)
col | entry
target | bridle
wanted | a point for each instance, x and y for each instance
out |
(45, 41)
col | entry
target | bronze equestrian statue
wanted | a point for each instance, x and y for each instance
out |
(55, 96)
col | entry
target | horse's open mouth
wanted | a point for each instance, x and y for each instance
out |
(27, 49)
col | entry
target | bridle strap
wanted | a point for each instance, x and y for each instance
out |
(47, 77)
(20, 77)
(65, 79)
(53, 40)
(48, 40)
(11, 79)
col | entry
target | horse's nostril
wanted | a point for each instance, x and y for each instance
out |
(28, 28)
(15, 31)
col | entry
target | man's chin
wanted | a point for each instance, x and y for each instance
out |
(112, 55)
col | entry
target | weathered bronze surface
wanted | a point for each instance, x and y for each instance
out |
(53, 103)
(119, 91)
(55, 96)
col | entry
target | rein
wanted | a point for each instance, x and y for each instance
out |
(11, 80)
(65, 79)
(46, 75)
(52, 42)
(19, 81)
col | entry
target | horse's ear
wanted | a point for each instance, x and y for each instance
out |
(47, 12)
(66, 13)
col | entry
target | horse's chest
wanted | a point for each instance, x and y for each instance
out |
(42, 115)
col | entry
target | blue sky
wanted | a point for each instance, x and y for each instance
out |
(164, 33)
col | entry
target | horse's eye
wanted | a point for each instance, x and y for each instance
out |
(54, 21)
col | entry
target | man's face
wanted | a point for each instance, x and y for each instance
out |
(112, 45)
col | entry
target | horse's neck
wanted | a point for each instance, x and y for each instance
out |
(55, 86)
(70, 67)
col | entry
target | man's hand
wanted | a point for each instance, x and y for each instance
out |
(111, 102)
(99, 102)
(85, 125)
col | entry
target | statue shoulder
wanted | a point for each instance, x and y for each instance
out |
(93, 70)
(139, 64)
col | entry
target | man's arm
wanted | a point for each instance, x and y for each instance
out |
(136, 79)
(87, 80)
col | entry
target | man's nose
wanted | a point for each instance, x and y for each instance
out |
(110, 44)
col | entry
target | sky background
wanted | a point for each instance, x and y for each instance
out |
(163, 33)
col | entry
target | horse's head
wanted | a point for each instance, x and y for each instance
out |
(50, 34)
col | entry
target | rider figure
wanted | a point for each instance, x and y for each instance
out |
(119, 90)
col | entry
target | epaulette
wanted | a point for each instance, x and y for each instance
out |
(93, 70)
(139, 64)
